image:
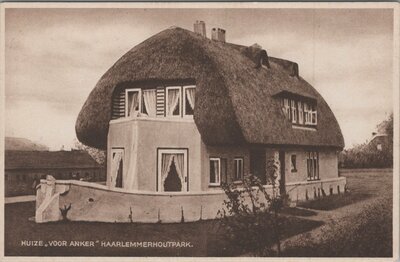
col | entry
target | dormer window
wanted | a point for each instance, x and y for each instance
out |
(300, 111)
(157, 101)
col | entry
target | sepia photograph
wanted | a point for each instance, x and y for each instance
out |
(200, 130)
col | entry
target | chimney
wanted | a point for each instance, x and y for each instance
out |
(218, 34)
(200, 28)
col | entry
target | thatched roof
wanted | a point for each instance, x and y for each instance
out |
(235, 101)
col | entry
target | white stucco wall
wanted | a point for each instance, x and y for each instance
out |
(153, 134)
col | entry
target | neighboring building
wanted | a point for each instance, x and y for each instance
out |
(179, 114)
(24, 169)
(380, 139)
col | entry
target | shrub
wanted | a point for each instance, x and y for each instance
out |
(251, 215)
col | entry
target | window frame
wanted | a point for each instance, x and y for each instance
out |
(300, 110)
(144, 104)
(293, 109)
(219, 172)
(167, 89)
(293, 167)
(184, 100)
(236, 161)
(139, 90)
(313, 166)
(286, 108)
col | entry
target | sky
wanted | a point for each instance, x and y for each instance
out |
(54, 58)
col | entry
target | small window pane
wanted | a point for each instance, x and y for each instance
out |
(173, 101)
(293, 163)
(133, 103)
(214, 171)
(189, 100)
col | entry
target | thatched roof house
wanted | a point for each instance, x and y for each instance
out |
(235, 96)
(182, 115)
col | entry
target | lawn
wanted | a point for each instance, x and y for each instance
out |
(365, 225)
(205, 237)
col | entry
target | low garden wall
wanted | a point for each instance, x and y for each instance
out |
(85, 201)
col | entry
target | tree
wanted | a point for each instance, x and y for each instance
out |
(367, 155)
(98, 155)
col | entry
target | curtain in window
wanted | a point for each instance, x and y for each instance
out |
(190, 94)
(179, 165)
(216, 172)
(173, 100)
(133, 99)
(150, 101)
(166, 161)
(115, 167)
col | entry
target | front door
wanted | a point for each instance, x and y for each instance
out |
(258, 164)
(172, 175)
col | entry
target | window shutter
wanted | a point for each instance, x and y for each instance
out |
(160, 101)
(118, 105)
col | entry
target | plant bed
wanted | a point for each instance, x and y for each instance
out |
(295, 211)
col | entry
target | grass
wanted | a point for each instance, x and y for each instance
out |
(334, 201)
(369, 234)
(364, 233)
(206, 237)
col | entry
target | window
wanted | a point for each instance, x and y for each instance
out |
(215, 171)
(173, 101)
(313, 116)
(294, 111)
(149, 102)
(134, 102)
(286, 107)
(238, 169)
(312, 165)
(300, 107)
(172, 170)
(310, 114)
(188, 104)
(117, 165)
(307, 115)
(299, 112)
(293, 167)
